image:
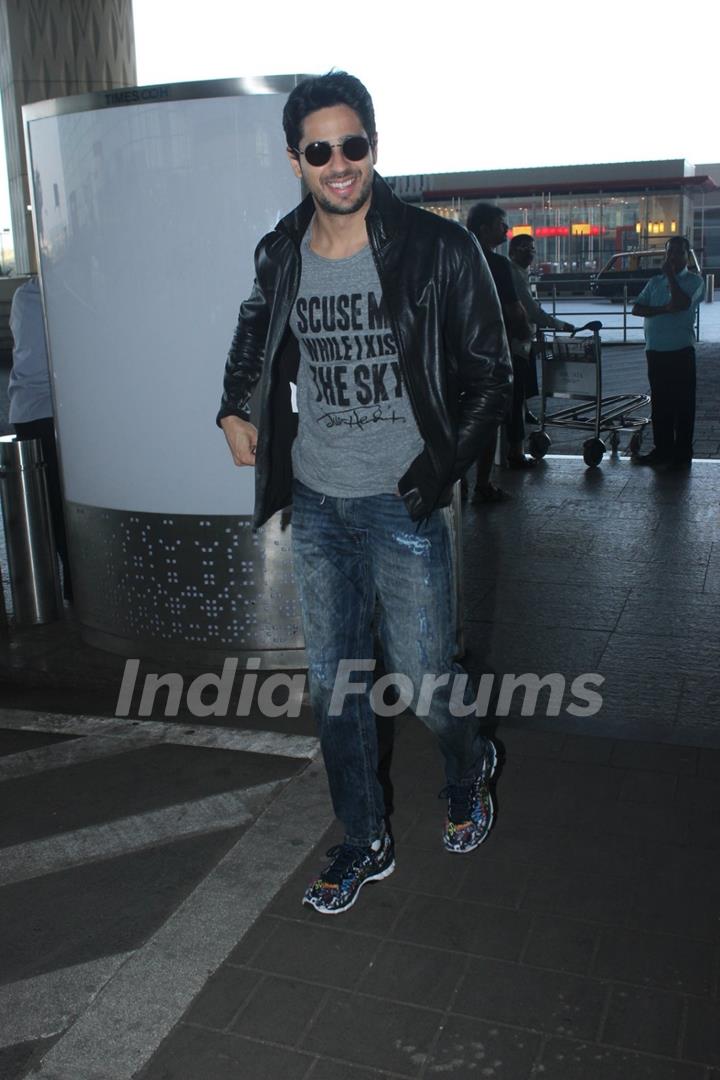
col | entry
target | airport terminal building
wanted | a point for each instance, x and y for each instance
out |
(582, 215)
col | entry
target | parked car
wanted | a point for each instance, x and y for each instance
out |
(632, 268)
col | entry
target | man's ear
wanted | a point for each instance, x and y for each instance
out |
(374, 148)
(294, 162)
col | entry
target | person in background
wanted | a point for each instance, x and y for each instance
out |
(668, 303)
(522, 253)
(31, 407)
(489, 224)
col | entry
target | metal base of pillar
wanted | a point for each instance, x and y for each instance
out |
(183, 587)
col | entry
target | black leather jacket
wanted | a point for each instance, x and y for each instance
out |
(447, 321)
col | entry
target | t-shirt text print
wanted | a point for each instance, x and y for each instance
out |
(356, 432)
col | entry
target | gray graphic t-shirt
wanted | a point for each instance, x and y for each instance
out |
(356, 430)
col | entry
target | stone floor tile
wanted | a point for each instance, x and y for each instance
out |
(634, 698)
(704, 832)
(665, 614)
(471, 1050)
(549, 1001)
(223, 995)
(644, 520)
(518, 808)
(593, 897)
(654, 757)
(431, 870)
(634, 820)
(669, 903)
(700, 793)
(588, 749)
(561, 944)
(702, 519)
(531, 744)
(552, 605)
(331, 1070)
(520, 649)
(372, 1032)
(375, 913)
(316, 952)
(709, 761)
(192, 1053)
(643, 1020)
(494, 879)
(711, 584)
(278, 1011)
(585, 782)
(687, 865)
(688, 654)
(659, 960)
(547, 568)
(618, 723)
(413, 974)
(520, 843)
(563, 1059)
(702, 1033)
(573, 847)
(463, 927)
(664, 551)
(649, 788)
(260, 932)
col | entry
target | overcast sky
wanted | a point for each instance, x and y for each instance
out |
(469, 85)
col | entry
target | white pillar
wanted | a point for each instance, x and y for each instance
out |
(51, 49)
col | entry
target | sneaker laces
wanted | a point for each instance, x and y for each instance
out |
(343, 857)
(459, 798)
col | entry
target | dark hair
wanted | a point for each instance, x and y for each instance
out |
(322, 92)
(482, 214)
(679, 240)
(521, 240)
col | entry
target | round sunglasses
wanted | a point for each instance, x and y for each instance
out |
(354, 148)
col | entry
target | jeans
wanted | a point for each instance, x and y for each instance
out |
(351, 556)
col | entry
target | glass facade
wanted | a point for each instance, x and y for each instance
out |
(580, 233)
(706, 237)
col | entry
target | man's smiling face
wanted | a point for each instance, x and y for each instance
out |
(340, 186)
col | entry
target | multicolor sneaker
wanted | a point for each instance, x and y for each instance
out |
(338, 886)
(470, 808)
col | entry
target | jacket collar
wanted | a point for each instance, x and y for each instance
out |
(384, 217)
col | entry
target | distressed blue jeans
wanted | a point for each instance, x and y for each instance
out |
(351, 555)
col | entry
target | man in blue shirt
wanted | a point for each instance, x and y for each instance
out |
(668, 303)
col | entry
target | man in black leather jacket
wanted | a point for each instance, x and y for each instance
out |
(386, 318)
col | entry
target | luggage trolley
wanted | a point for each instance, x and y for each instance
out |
(572, 368)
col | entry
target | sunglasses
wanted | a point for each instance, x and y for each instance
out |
(354, 148)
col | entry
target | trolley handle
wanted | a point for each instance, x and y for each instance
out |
(595, 326)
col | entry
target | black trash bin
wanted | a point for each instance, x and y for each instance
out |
(31, 556)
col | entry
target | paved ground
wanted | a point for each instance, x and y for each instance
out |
(151, 869)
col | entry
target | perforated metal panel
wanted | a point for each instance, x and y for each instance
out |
(179, 583)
